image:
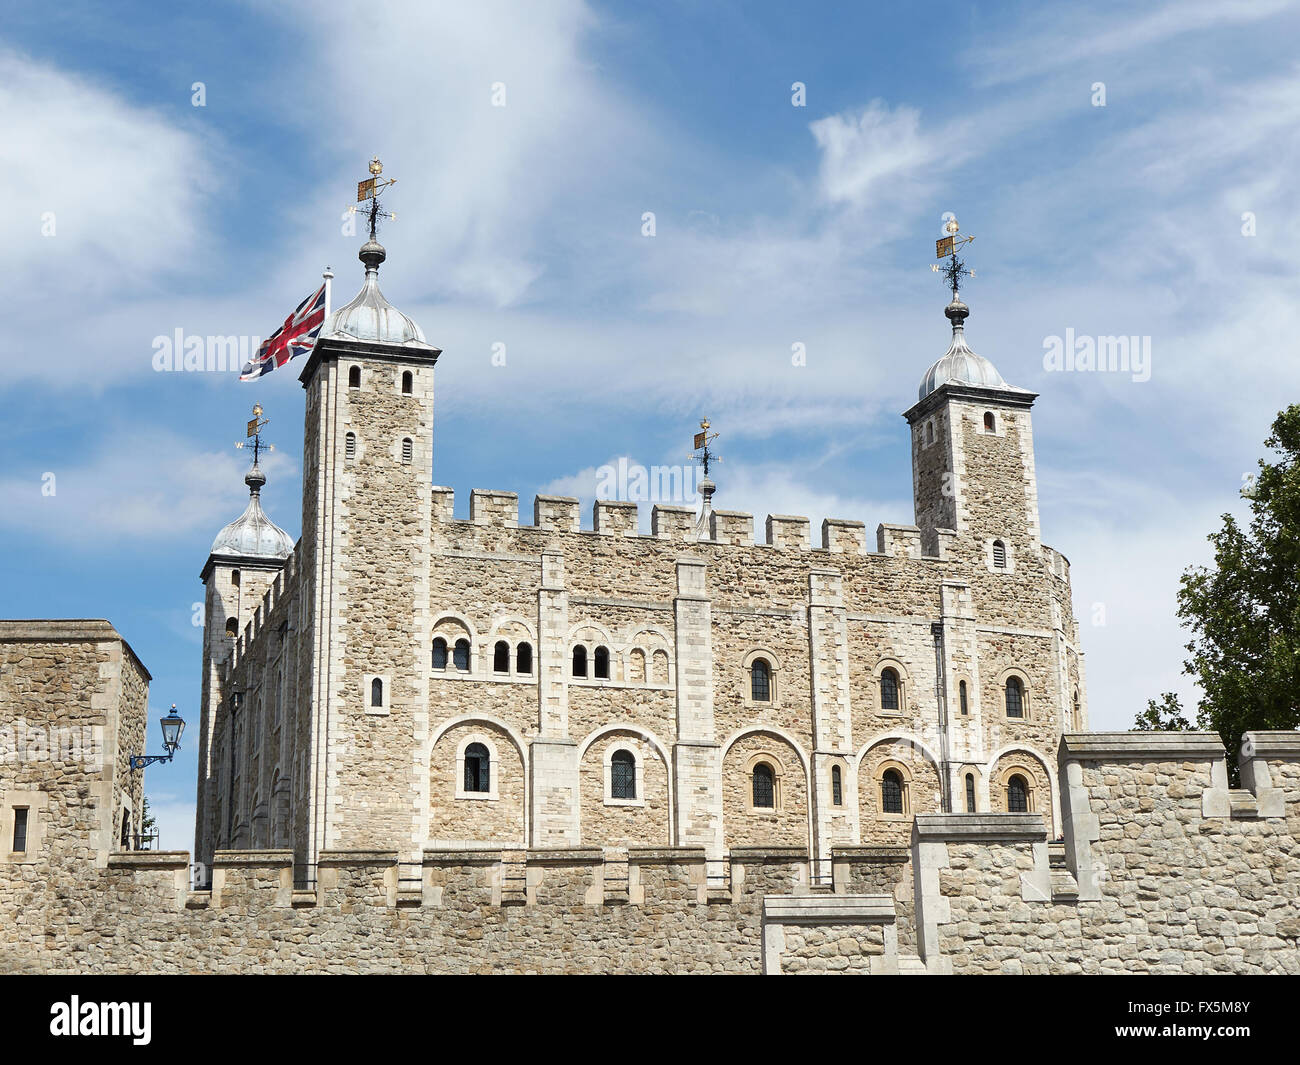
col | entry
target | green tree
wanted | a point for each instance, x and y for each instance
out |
(1163, 716)
(1244, 611)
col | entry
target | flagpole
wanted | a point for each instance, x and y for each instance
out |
(328, 275)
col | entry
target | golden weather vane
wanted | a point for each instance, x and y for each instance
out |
(371, 189)
(254, 437)
(701, 445)
(946, 247)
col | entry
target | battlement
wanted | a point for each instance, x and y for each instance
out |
(735, 528)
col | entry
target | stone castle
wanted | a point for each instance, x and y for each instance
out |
(438, 744)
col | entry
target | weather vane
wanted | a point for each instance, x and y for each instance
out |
(371, 189)
(702, 441)
(254, 438)
(946, 247)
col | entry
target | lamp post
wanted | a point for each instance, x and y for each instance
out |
(173, 725)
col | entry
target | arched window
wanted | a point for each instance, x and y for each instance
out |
(1076, 718)
(579, 661)
(989, 423)
(622, 775)
(961, 693)
(350, 447)
(760, 681)
(999, 555)
(460, 655)
(970, 793)
(837, 787)
(602, 663)
(891, 792)
(524, 658)
(478, 768)
(889, 690)
(501, 657)
(659, 668)
(439, 653)
(232, 627)
(636, 666)
(407, 381)
(1017, 795)
(408, 451)
(126, 830)
(234, 577)
(354, 377)
(1015, 697)
(764, 787)
(376, 692)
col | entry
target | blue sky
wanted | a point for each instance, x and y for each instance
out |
(521, 225)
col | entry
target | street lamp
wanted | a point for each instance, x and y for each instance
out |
(173, 725)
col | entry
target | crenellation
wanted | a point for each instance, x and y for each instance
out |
(787, 532)
(672, 523)
(732, 527)
(610, 517)
(488, 507)
(558, 513)
(840, 536)
(898, 541)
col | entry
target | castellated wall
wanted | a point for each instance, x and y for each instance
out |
(1163, 868)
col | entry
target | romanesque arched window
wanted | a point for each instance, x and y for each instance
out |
(989, 424)
(460, 655)
(350, 447)
(126, 830)
(760, 681)
(354, 377)
(408, 451)
(232, 627)
(636, 666)
(376, 692)
(407, 381)
(837, 787)
(999, 555)
(764, 787)
(602, 663)
(1015, 697)
(524, 658)
(961, 694)
(1076, 718)
(478, 768)
(501, 657)
(891, 792)
(889, 689)
(1017, 795)
(970, 793)
(439, 653)
(579, 661)
(622, 775)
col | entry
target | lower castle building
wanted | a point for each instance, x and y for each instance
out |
(405, 679)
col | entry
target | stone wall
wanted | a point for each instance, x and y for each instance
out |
(1163, 868)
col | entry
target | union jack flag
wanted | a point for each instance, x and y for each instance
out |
(296, 337)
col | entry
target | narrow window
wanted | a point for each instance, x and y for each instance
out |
(1076, 717)
(989, 424)
(232, 627)
(970, 793)
(501, 657)
(1017, 795)
(891, 792)
(354, 377)
(460, 655)
(999, 555)
(20, 829)
(350, 447)
(407, 381)
(478, 768)
(760, 681)
(376, 692)
(764, 787)
(408, 451)
(234, 577)
(659, 668)
(524, 658)
(1015, 697)
(602, 663)
(439, 653)
(126, 830)
(837, 787)
(579, 661)
(636, 667)
(889, 690)
(961, 693)
(622, 775)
